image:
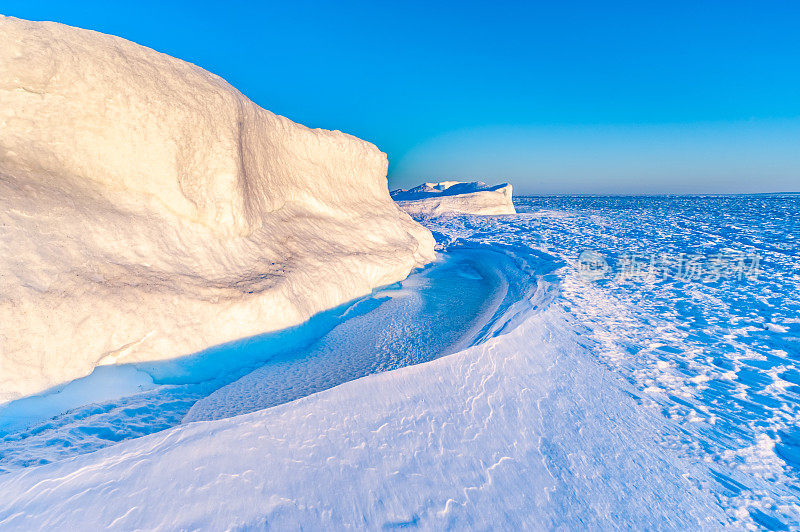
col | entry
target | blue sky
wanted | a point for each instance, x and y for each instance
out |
(598, 97)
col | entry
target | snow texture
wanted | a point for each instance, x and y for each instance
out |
(578, 410)
(456, 197)
(438, 311)
(519, 432)
(149, 210)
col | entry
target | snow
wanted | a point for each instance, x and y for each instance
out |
(576, 408)
(517, 431)
(525, 429)
(149, 210)
(438, 311)
(103, 384)
(456, 197)
(562, 403)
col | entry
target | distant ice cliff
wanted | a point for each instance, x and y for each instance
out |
(456, 197)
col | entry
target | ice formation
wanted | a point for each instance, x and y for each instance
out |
(149, 210)
(456, 197)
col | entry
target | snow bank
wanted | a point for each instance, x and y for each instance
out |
(150, 210)
(528, 429)
(525, 431)
(454, 196)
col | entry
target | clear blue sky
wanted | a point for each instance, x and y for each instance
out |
(553, 96)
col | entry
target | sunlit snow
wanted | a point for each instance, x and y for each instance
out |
(219, 319)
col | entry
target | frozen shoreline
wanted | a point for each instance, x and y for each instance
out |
(580, 403)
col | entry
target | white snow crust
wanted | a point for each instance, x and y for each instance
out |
(438, 311)
(149, 210)
(456, 197)
(525, 430)
(519, 432)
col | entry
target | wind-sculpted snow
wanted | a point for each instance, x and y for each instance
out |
(456, 197)
(706, 339)
(532, 427)
(637, 397)
(466, 296)
(149, 210)
(521, 431)
(620, 402)
(431, 314)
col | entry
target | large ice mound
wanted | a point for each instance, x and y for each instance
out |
(455, 196)
(148, 210)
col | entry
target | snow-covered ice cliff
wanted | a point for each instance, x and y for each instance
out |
(456, 197)
(149, 210)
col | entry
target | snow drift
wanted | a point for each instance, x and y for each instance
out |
(149, 210)
(522, 432)
(454, 196)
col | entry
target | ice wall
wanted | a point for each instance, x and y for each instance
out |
(456, 197)
(149, 210)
